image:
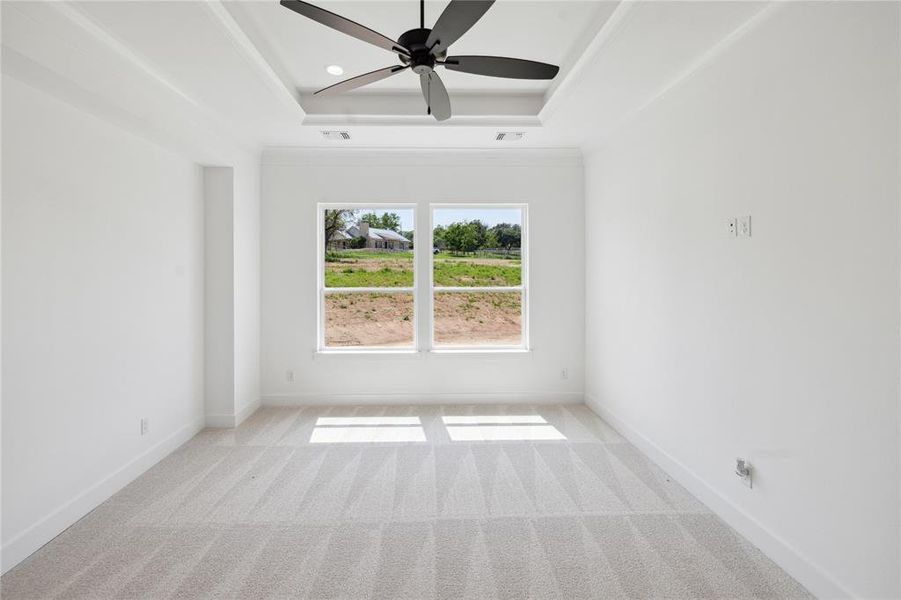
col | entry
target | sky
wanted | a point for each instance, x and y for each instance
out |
(446, 216)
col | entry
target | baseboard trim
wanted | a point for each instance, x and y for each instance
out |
(29, 541)
(428, 398)
(247, 411)
(230, 421)
(220, 421)
(805, 571)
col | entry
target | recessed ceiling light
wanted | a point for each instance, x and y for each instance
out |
(334, 70)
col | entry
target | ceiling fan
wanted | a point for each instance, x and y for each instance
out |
(424, 49)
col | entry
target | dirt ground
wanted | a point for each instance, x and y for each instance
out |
(477, 319)
(368, 320)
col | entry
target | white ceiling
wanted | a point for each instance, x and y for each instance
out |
(554, 32)
(205, 76)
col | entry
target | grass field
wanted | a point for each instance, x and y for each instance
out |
(362, 268)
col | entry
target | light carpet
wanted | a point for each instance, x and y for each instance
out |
(509, 502)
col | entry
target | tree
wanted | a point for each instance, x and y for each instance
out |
(479, 233)
(371, 218)
(391, 221)
(438, 237)
(335, 220)
(462, 237)
(386, 221)
(507, 235)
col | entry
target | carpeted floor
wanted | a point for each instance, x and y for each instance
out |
(510, 502)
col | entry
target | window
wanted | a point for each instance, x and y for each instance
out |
(369, 292)
(366, 291)
(478, 283)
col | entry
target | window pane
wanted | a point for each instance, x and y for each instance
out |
(478, 318)
(369, 320)
(477, 247)
(368, 247)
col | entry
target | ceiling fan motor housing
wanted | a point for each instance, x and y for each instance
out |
(421, 59)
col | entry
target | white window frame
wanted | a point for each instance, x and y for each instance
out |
(523, 288)
(322, 291)
(423, 290)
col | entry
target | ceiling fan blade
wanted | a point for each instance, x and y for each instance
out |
(360, 80)
(435, 95)
(330, 19)
(500, 66)
(456, 20)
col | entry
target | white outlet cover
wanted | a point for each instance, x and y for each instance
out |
(732, 227)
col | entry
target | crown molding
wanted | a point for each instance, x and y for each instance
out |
(557, 94)
(225, 17)
(197, 132)
(388, 108)
(405, 157)
(691, 70)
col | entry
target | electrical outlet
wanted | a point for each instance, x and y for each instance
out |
(564, 373)
(145, 426)
(289, 376)
(732, 227)
(744, 226)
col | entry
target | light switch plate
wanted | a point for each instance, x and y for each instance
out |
(744, 226)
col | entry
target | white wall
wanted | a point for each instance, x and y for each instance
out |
(219, 296)
(784, 347)
(102, 311)
(232, 292)
(293, 182)
(247, 286)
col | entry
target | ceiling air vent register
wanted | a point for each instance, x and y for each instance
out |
(337, 136)
(509, 136)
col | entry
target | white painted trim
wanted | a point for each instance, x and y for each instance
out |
(23, 545)
(229, 420)
(368, 290)
(81, 19)
(247, 411)
(219, 421)
(812, 576)
(469, 157)
(429, 398)
(559, 91)
(255, 59)
(419, 120)
(696, 66)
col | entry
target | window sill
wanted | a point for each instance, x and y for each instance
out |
(366, 352)
(479, 351)
(374, 352)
